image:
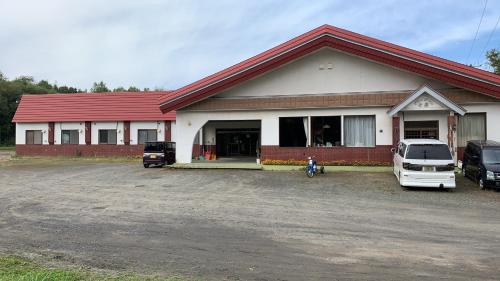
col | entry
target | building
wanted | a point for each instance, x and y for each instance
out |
(91, 124)
(329, 93)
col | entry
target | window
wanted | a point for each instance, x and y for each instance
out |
(34, 137)
(69, 136)
(471, 126)
(428, 151)
(293, 131)
(107, 136)
(421, 129)
(491, 156)
(402, 149)
(325, 131)
(359, 131)
(147, 135)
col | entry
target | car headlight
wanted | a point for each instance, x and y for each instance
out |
(490, 175)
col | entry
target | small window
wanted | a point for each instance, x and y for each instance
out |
(325, 131)
(293, 131)
(471, 126)
(421, 129)
(147, 135)
(428, 151)
(359, 131)
(70, 137)
(107, 136)
(34, 137)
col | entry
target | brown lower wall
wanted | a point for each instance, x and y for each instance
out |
(378, 154)
(79, 150)
(460, 153)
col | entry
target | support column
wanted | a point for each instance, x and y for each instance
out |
(51, 133)
(126, 132)
(452, 126)
(168, 130)
(88, 132)
(395, 131)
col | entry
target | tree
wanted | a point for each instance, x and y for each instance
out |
(493, 57)
(133, 89)
(99, 87)
(119, 89)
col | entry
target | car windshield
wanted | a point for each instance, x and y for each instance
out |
(491, 156)
(428, 151)
(153, 147)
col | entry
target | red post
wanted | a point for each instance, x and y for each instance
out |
(168, 130)
(51, 133)
(451, 129)
(88, 133)
(126, 132)
(395, 131)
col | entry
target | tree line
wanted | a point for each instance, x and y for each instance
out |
(12, 90)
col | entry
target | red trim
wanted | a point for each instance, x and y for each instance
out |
(51, 133)
(324, 36)
(88, 132)
(126, 132)
(168, 130)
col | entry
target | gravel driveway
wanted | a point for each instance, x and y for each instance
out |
(247, 225)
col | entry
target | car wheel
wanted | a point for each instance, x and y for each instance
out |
(146, 165)
(481, 184)
(309, 173)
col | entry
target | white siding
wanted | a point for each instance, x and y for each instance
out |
(118, 126)
(348, 74)
(159, 126)
(173, 135)
(189, 123)
(22, 127)
(59, 126)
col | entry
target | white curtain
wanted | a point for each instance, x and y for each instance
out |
(471, 126)
(306, 123)
(359, 131)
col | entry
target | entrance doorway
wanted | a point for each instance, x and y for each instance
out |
(421, 129)
(237, 142)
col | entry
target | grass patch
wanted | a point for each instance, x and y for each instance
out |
(7, 148)
(14, 268)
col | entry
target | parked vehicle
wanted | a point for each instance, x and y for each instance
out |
(424, 163)
(312, 167)
(481, 163)
(158, 153)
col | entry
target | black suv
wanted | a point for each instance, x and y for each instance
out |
(158, 153)
(482, 163)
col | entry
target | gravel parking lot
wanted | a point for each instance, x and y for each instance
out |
(247, 225)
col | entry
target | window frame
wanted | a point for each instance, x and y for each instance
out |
(312, 135)
(280, 132)
(33, 141)
(107, 137)
(147, 135)
(459, 124)
(344, 132)
(70, 136)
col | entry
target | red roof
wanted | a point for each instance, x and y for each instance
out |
(328, 36)
(136, 106)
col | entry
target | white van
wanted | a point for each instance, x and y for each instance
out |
(424, 163)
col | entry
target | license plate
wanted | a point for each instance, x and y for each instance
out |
(428, 168)
(153, 156)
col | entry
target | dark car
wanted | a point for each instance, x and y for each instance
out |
(158, 153)
(481, 163)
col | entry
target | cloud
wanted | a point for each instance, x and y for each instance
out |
(170, 43)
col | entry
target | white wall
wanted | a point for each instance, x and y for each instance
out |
(173, 136)
(441, 116)
(22, 127)
(189, 122)
(59, 126)
(348, 74)
(118, 126)
(492, 118)
(159, 126)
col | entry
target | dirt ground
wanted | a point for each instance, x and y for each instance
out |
(247, 225)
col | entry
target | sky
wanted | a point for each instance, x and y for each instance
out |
(168, 44)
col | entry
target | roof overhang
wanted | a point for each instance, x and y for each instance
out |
(327, 36)
(431, 92)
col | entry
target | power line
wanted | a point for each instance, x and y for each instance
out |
(477, 31)
(491, 35)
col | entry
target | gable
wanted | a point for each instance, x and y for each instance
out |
(328, 71)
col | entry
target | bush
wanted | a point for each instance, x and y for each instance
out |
(293, 162)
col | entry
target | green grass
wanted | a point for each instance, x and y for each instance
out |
(14, 268)
(8, 148)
